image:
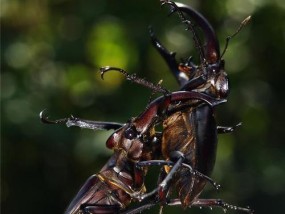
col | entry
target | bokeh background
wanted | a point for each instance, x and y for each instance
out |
(51, 51)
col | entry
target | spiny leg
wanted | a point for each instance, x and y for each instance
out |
(211, 203)
(97, 208)
(171, 163)
(227, 129)
(134, 78)
(141, 207)
(88, 124)
(153, 93)
(164, 185)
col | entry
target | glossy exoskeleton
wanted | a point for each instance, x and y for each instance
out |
(120, 181)
(113, 188)
(192, 131)
(189, 131)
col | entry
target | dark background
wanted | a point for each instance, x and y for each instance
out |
(51, 51)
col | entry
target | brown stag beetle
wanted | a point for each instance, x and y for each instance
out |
(113, 188)
(190, 132)
(209, 77)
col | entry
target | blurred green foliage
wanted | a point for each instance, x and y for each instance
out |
(51, 52)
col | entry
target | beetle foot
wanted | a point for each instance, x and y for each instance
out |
(173, 6)
(137, 196)
(225, 206)
(45, 119)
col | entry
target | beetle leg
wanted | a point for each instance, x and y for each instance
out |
(199, 203)
(141, 207)
(227, 129)
(211, 203)
(194, 83)
(134, 78)
(155, 163)
(94, 125)
(88, 124)
(163, 186)
(153, 93)
(159, 107)
(106, 209)
(199, 174)
(171, 163)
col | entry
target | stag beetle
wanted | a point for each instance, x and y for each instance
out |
(192, 131)
(189, 131)
(121, 180)
(112, 189)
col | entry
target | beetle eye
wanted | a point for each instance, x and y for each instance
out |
(131, 133)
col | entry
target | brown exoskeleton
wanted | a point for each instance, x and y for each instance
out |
(190, 132)
(113, 188)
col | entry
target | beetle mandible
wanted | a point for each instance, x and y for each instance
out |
(190, 131)
(112, 189)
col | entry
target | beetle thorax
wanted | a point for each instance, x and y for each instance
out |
(217, 83)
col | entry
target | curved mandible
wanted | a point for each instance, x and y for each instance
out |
(45, 119)
(212, 48)
(160, 105)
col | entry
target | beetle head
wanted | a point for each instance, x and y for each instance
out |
(212, 67)
(217, 83)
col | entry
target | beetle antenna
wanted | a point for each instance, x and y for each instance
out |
(242, 24)
(134, 78)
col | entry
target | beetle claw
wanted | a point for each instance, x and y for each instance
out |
(173, 6)
(46, 120)
(103, 70)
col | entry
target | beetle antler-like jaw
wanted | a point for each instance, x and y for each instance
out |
(211, 49)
